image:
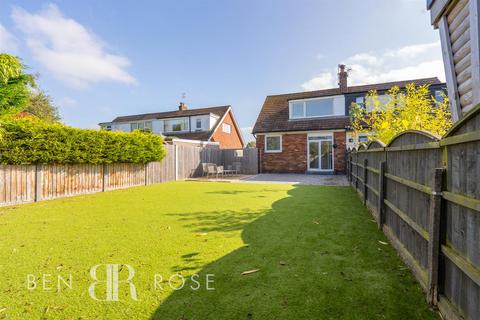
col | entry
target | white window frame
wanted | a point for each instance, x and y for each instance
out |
(197, 121)
(272, 136)
(291, 102)
(144, 123)
(187, 129)
(226, 125)
(330, 137)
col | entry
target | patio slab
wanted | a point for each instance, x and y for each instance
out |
(286, 178)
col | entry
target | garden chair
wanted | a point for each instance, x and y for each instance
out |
(237, 167)
(219, 171)
(205, 168)
(211, 170)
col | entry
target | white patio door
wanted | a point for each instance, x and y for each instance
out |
(320, 153)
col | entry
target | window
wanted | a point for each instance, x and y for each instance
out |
(319, 107)
(146, 125)
(383, 101)
(273, 143)
(226, 128)
(198, 124)
(439, 95)
(362, 139)
(174, 125)
(360, 101)
(297, 110)
(239, 153)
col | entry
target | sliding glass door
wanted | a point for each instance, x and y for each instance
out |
(320, 153)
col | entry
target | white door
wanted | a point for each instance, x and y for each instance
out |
(320, 153)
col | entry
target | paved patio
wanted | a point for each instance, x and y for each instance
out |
(286, 178)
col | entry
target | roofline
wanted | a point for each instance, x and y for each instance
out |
(357, 86)
(234, 123)
(176, 116)
(304, 131)
(202, 142)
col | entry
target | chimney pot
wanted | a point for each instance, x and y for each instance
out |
(342, 77)
(182, 107)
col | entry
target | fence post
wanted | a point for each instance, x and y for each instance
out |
(146, 173)
(351, 168)
(38, 182)
(435, 216)
(365, 178)
(381, 195)
(356, 169)
(104, 176)
(175, 148)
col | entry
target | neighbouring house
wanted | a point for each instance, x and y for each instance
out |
(308, 132)
(200, 126)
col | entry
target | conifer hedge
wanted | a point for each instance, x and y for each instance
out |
(31, 141)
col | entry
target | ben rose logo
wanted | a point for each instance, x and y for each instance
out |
(108, 276)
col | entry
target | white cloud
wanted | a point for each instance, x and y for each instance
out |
(321, 81)
(8, 43)
(405, 63)
(413, 51)
(365, 57)
(68, 50)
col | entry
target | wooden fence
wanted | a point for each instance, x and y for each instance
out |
(424, 193)
(29, 183)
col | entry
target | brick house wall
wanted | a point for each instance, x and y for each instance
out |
(228, 140)
(340, 152)
(293, 158)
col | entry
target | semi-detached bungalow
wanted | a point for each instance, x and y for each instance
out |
(199, 126)
(308, 132)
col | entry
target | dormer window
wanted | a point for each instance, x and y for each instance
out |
(312, 108)
(174, 125)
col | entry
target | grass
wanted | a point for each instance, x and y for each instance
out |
(317, 251)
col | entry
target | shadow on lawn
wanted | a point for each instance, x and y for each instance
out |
(318, 257)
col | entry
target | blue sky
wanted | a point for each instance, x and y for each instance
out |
(101, 59)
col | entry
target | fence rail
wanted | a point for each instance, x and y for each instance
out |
(424, 193)
(29, 183)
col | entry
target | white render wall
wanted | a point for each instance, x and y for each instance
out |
(208, 122)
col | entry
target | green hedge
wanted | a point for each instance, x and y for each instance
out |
(31, 141)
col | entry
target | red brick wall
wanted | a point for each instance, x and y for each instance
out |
(339, 139)
(228, 140)
(293, 158)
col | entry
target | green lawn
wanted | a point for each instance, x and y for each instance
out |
(317, 250)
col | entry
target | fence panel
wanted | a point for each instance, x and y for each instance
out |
(67, 180)
(408, 184)
(461, 246)
(248, 159)
(432, 221)
(17, 184)
(123, 175)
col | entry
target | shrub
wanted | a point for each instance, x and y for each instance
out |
(31, 141)
(414, 109)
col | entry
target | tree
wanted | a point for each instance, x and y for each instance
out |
(414, 109)
(42, 107)
(15, 85)
(251, 144)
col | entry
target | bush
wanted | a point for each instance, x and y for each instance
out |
(31, 141)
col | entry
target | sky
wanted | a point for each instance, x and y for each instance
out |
(102, 59)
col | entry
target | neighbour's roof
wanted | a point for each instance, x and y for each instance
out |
(274, 116)
(218, 111)
(201, 135)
